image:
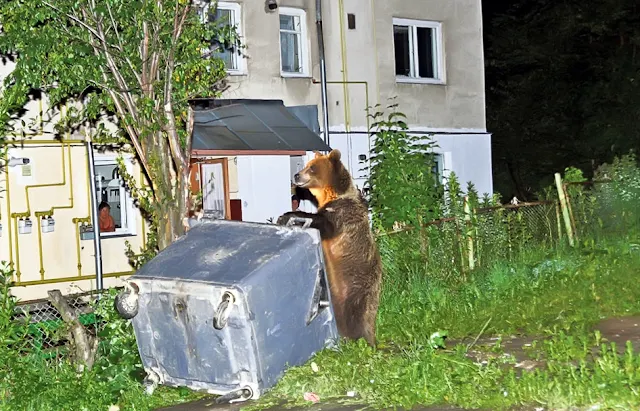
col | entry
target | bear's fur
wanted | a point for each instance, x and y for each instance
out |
(352, 260)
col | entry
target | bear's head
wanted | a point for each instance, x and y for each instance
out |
(325, 177)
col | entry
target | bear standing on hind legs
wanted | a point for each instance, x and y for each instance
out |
(352, 260)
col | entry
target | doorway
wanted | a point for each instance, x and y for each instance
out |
(210, 177)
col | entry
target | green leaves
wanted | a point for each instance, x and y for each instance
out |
(133, 63)
(403, 186)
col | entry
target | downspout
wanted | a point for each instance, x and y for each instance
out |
(94, 216)
(323, 72)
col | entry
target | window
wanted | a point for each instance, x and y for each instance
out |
(293, 43)
(110, 189)
(436, 160)
(438, 167)
(418, 51)
(226, 14)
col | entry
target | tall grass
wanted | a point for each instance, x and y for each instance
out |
(525, 279)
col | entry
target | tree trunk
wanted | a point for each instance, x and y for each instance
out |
(172, 214)
(85, 346)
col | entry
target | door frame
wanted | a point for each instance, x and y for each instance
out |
(196, 179)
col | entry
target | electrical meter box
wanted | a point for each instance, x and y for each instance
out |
(229, 306)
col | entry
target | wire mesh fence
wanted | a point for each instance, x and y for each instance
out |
(448, 248)
(468, 238)
(48, 331)
(451, 247)
(597, 208)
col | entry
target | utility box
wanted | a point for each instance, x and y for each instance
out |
(229, 306)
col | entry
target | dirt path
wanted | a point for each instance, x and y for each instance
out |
(618, 330)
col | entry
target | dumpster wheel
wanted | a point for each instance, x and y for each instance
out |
(222, 313)
(240, 395)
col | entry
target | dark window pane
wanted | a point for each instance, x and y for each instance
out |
(287, 22)
(426, 53)
(289, 53)
(401, 45)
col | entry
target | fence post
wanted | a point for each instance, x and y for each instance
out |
(467, 219)
(558, 221)
(565, 210)
(570, 208)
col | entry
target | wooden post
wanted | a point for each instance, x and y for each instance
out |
(570, 208)
(558, 221)
(467, 219)
(565, 210)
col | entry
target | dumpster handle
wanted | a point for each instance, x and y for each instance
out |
(222, 313)
(306, 221)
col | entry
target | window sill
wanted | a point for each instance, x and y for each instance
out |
(237, 73)
(412, 80)
(104, 236)
(294, 75)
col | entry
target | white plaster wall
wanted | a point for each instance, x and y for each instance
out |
(264, 187)
(469, 156)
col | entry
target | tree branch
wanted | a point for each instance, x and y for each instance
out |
(86, 347)
(121, 48)
(179, 157)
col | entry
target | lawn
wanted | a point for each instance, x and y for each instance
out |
(434, 314)
(560, 295)
(557, 294)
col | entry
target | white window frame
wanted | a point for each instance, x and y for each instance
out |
(236, 19)
(303, 44)
(126, 201)
(439, 158)
(438, 43)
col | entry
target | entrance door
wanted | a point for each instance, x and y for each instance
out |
(213, 190)
(210, 177)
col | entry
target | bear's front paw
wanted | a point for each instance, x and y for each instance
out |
(283, 219)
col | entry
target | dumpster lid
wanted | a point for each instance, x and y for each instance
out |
(223, 251)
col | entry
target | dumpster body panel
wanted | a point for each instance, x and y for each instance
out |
(231, 305)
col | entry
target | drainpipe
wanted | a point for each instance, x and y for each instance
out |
(95, 221)
(323, 72)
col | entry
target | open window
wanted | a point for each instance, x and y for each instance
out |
(419, 53)
(112, 194)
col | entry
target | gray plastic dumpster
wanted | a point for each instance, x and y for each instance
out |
(229, 306)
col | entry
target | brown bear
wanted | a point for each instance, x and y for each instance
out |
(352, 259)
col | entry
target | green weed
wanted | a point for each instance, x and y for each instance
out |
(561, 298)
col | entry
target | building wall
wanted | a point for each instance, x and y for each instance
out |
(460, 102)
(265, 195)
(57, 259)
(363, 58)
(361, 73)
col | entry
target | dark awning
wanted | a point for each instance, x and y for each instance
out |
(251, 125)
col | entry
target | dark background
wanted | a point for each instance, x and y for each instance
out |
(563, 87)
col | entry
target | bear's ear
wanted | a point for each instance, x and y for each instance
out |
(317, 154)
(335, 155)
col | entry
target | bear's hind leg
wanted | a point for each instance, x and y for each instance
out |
(360, 323)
